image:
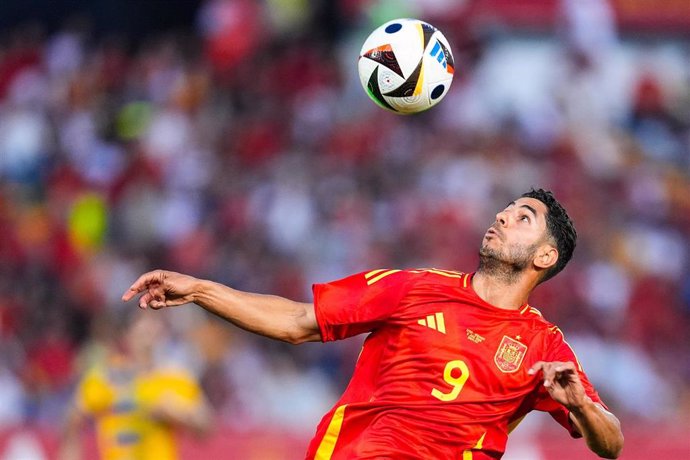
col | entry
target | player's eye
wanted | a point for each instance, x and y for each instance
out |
(524, 218)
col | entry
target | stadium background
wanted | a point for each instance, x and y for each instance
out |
(230, 139)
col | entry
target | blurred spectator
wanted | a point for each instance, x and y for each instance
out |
(136, 403)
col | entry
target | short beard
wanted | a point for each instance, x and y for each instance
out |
(505, 268)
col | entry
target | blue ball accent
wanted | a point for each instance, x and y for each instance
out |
(393, 28)
(436, 93)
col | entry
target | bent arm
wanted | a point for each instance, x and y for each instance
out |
(268, 315)
(600, 428)
(271, 316)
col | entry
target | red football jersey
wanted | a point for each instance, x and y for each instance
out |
(442, 375)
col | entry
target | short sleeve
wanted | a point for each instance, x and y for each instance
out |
(560, 350)
(93, 394)
(358, 303)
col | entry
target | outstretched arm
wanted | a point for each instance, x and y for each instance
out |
(600, 428)
(271, 316)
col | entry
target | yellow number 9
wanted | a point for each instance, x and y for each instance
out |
(455, 382)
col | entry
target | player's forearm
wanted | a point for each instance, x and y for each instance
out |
(600, 428)
(271, 316)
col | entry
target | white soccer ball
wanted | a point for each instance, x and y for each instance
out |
(406, 66)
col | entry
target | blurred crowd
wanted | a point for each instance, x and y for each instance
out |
(245, 151)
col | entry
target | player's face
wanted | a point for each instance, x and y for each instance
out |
(143, 333)
(517, 233)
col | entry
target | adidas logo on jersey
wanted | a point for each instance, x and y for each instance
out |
(435, 322)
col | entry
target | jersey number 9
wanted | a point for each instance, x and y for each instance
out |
(456, 382)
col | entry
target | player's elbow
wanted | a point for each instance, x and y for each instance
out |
(303, 326)
(293, 340)
(300, 335)
(618, 448)
(611, 453)
(612, 449)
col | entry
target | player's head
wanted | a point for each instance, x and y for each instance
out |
(135, 332)
(143, 332)
(560, 229)
(532, 233)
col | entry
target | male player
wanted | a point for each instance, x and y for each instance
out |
(453, 361)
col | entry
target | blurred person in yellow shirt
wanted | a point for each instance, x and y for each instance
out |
(137, 406)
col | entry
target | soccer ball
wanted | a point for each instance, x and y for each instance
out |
(406, 66)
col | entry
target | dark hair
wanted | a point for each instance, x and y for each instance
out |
(559, 227)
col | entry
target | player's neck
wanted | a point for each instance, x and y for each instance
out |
(506, 293)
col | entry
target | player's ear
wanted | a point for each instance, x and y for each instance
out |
(546, 257)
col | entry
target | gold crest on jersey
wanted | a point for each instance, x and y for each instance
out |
(509, 355)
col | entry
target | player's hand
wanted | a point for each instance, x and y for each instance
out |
(562, 382)
(162, 289)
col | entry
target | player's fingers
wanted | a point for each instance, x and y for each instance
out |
(560, 370)
(157, 304)
(536, 367)
(145, 300)
(138, 286)
(546, 370)
(558, 373)
(564, 367)
(566, 374)
(550, 372)
(141, 284)
(152, 300)
(557, 366)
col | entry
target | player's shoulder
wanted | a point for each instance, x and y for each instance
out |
(532, 313)
(414, 275)
(529, 311)
(549, 329)
(438, 276)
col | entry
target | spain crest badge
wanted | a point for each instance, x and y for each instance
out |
(509, 355)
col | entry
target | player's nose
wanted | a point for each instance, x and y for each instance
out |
(501, 218)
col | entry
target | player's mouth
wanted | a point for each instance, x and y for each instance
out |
(493, 232)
